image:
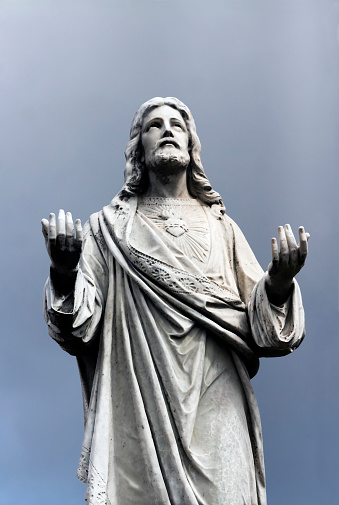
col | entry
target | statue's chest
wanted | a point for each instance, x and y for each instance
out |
(184, 222)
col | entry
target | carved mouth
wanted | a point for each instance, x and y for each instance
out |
(165, 142)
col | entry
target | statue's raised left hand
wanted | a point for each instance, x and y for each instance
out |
(286, 263)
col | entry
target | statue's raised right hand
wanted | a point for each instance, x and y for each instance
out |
(63, 248)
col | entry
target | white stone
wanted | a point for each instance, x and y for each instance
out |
(167, 311)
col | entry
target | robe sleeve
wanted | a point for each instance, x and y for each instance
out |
(74, 320)
(276, 331)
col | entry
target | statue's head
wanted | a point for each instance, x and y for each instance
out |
(136, 171)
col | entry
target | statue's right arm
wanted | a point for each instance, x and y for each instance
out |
(63, 249)
(75, 289)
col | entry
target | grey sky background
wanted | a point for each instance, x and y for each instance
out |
(262, 80)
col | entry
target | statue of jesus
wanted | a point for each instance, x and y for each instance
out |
(167, 311)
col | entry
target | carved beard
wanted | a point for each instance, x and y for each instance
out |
(163, 165)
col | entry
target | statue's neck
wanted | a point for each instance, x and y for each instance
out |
(167, 185)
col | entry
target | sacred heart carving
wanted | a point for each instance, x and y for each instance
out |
(175, 226)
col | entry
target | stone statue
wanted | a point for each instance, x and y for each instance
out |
(167, 311)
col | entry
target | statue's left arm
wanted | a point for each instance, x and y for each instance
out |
(275, 309)
(285, 264)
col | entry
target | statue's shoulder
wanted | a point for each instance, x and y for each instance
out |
(106, 216)
(231, 225)
(93, 232)
(219, 212)
(228, 220)
(91, 229)
(93, 223)
(111, 217)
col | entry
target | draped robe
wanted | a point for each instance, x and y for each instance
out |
(166, 347)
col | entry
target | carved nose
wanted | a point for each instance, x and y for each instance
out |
(167, 133)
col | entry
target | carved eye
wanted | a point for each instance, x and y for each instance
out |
(178, 125)
(154, 124)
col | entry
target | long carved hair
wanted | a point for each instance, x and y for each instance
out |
(136, 174)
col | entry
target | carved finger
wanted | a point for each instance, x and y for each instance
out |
(275, 250)
(78, 232)
(284, 256)
(69, 229)
(52, 228)
(292, 245)
(61, 228)
(275, 255)
(45, 226)
(303, 246)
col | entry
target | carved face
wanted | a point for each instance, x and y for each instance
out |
(164, 137)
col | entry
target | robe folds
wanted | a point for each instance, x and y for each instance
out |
(166, 347)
